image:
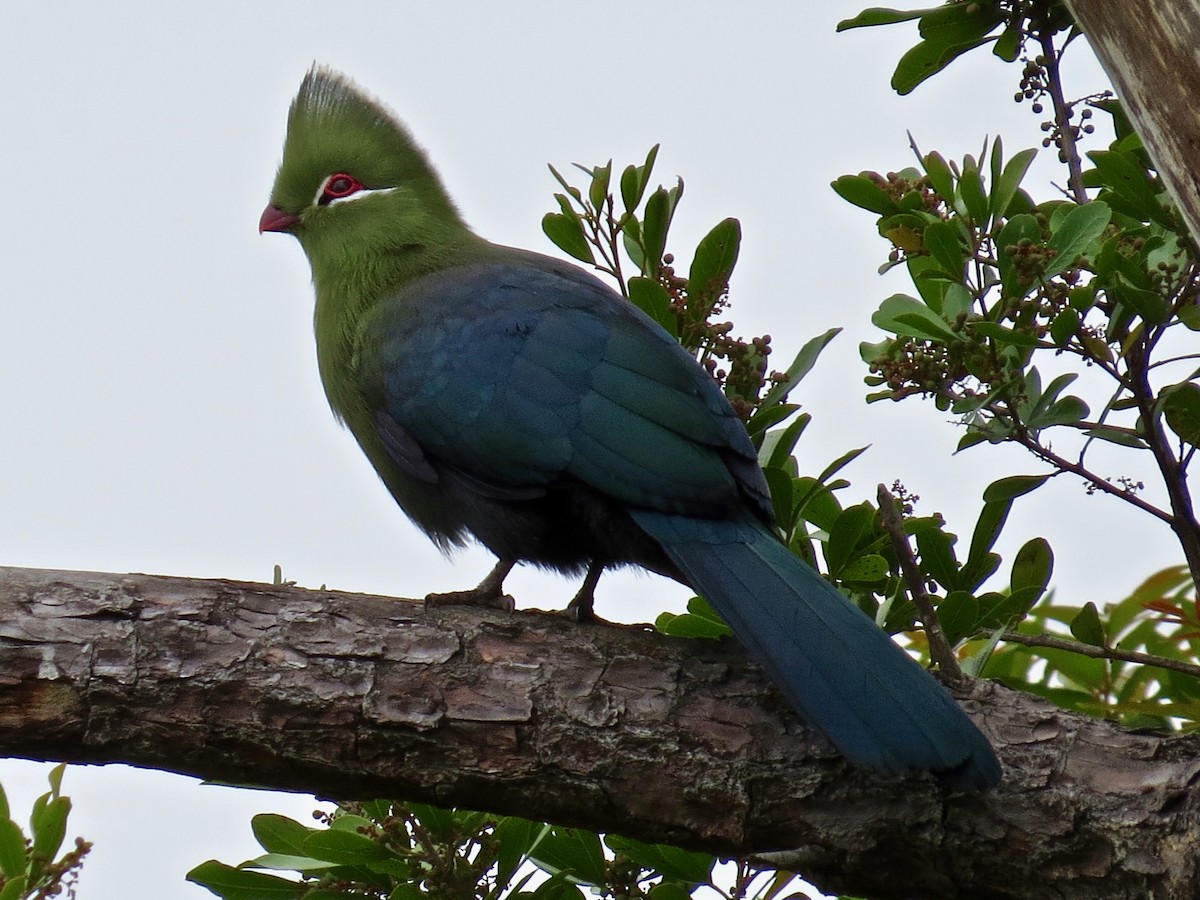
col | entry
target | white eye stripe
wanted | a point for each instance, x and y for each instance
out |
(358, 195)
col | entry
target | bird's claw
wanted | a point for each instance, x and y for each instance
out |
(477, 598)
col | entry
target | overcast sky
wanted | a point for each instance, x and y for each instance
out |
(161, 401)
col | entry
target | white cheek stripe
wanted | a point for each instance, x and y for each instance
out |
(357, 195)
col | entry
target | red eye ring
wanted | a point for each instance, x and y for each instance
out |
(339, 185)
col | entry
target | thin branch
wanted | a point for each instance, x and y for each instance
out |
(1112, 653)
(1062, 116)
(1060, 462)
(939, 646)
(1183, 521)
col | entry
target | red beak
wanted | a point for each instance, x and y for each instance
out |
(275, 219)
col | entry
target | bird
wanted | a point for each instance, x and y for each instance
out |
(511, 398)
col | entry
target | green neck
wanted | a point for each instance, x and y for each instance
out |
(356, 269)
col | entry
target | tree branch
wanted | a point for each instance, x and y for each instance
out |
(940, 650)
(611, 729)
(1090, 650)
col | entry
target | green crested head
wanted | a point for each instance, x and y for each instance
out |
(352, 179)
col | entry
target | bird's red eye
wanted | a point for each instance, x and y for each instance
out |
(340, 185)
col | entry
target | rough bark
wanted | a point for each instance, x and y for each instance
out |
(612, 729)
(1151, 51)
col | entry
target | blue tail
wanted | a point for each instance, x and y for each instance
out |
(840, 671)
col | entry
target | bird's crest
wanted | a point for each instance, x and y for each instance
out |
(334, 126)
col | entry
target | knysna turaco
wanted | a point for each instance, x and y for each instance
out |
(513, 398)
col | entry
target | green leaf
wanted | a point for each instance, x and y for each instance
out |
(878, 15)
(817, 504)
(557, 887)
(1065, 326)
(907, 315)
(1032, 566)
(566, 186)
(1190, 316)
(346, 848)
(1066, 411)
(1124, 437)
(801, 366)
(631, 240)
(869, 568)
(238, 884)
(940, 176)
(598, 189)
(1181, 407)
(12, 849)
(573, 851)
(1087, 627)
(865, 193)
(1019, 228)
(1147, 303)
(925, 60)
(937, 557)
(1122, 174)
(840, 463)
(987, 529)
(289, 862)
(846, 535)
(779, 483)
(671, 862)
(1006, 185)
(48, 827)
(648, 295)
(778, 445)
(1012, 487)
(943, 244)
(634, 180)
(974, 197)
(959, 615)
(716, 255)
(1008, 45)
(515, 837)
(668, 890)
(1079, 229)
(55, 778)
(279, 834)
(655, 222)
(765, 418)
(354, 824)
(1004, 335)
(567, 234)
(14, 889)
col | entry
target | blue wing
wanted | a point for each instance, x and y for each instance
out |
(517, 376)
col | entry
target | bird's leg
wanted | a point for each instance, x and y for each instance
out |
(580, 607)
(489, 593)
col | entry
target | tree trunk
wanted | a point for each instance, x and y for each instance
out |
(610, 729)
(1151, 51)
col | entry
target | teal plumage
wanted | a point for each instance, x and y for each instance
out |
(511, 398)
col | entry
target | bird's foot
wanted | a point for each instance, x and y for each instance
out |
(580, 607)
(488, 594)
(583, 612)
(481, 599)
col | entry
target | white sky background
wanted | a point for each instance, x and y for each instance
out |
(157, 372)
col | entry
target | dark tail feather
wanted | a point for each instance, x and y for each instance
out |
(840, 671)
